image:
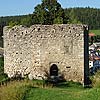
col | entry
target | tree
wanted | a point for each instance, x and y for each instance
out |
(39, 15)
(12, 23)
(73, 18)
(48, 12)
(58, 20)
(26, 21)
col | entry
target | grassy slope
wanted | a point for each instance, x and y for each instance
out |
(30, 90)
(63, 94)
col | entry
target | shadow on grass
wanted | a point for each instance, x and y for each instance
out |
(70, 84)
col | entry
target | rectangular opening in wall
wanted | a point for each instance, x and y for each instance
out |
(68, 66)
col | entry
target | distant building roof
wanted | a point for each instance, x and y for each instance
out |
(98, 48)
(91, 34)
(97, 58)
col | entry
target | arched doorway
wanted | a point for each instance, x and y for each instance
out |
(54, 70)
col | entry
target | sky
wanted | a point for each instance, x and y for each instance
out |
(23, 7)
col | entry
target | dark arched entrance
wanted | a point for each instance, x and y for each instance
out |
(54, 70)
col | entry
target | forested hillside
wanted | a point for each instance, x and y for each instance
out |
(51, 12)
(89, 16)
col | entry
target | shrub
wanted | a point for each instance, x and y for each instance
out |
(95, 80)
(15, 90)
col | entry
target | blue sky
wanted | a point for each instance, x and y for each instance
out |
(22, 7)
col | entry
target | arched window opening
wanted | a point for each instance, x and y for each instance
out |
(54, 70)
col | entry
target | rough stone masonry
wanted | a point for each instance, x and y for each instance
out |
(33, 50)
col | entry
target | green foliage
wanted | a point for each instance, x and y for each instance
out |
(12, 23)
(40, 15)
(58, 20)
(32, 90)
(73, 18)
(96, 80)
(48, 12)
(14, 90)
(4, 21)
(2, 75)
(89, 16)
(26, 21)
(51, 12)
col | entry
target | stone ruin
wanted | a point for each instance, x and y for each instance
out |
(34, 50)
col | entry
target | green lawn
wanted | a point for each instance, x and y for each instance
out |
(97, 32)
(67, 93)
(34, 90)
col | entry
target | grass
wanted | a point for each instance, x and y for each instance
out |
(15, 90)
(65, 93)
(97, 32)
(61, 92)
(34, 90)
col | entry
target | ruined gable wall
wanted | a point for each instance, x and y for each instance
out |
(33, 50)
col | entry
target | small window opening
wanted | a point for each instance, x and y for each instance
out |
(54, 70)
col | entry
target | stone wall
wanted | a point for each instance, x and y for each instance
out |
(32, 51)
